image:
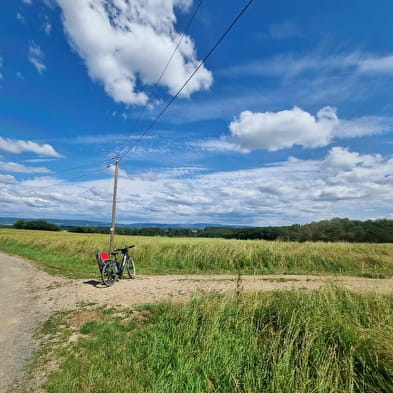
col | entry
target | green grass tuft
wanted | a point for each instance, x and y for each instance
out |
(285, 342)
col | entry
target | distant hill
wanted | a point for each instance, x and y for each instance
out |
(66, 223)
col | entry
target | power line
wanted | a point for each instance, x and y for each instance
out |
(91, 164)
(172, 99)
(37, 189)
(156, 84)
(87, 165)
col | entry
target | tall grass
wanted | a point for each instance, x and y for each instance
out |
(73, 255)
(285, 342)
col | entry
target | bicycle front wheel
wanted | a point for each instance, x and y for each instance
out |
(109, 273)
(130, 265)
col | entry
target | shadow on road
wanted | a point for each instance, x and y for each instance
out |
(94, 283)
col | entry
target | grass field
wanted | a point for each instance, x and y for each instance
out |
(73, 255)
(329, 341)
(326, 341)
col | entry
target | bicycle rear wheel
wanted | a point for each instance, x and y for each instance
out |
(109, 273)
(130, 265)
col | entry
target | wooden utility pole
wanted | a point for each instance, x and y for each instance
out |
(112, 230)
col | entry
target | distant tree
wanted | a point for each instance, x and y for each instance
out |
(36, 225)
(86, 229)
(20, 224)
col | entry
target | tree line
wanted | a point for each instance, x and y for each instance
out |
(337, 229)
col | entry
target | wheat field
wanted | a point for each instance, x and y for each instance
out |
(73, 255)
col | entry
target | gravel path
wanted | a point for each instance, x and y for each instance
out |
(28, 296)
(19, 317)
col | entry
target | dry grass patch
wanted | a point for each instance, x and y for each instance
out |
(81, 317)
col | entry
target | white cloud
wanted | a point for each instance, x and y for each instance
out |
(278, 130)
(284, 129)
(122, 42)
(19, 146)
(372, 178)
(20, 168)
(365, 125)
(36, 57)
(360, 186)
(46, 27)
(7, 179)
(35, 160)
(1, 66)
(27, 1)
(103, 139)
(340, 158)
(221, 145)
(290, 66)
(383, 64)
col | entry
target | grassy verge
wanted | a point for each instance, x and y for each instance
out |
(73, 255)
(285, 342)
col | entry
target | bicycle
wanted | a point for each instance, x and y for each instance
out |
(112, 270)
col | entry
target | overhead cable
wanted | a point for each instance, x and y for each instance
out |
(46, 187)
(156, 84)
(173, 98)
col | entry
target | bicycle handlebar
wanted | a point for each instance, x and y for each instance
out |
(124, 249)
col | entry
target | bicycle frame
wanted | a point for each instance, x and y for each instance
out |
(121, 265)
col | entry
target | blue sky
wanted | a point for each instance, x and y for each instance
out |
(289, 121)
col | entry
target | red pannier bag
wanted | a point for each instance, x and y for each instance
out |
(102, 257)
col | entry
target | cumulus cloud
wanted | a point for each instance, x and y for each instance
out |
(19, 146)
(278, 130)
(340, 158)
(123, 43)
(36, 57)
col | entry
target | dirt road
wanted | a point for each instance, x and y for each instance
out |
(18, 317)
(28, 296)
